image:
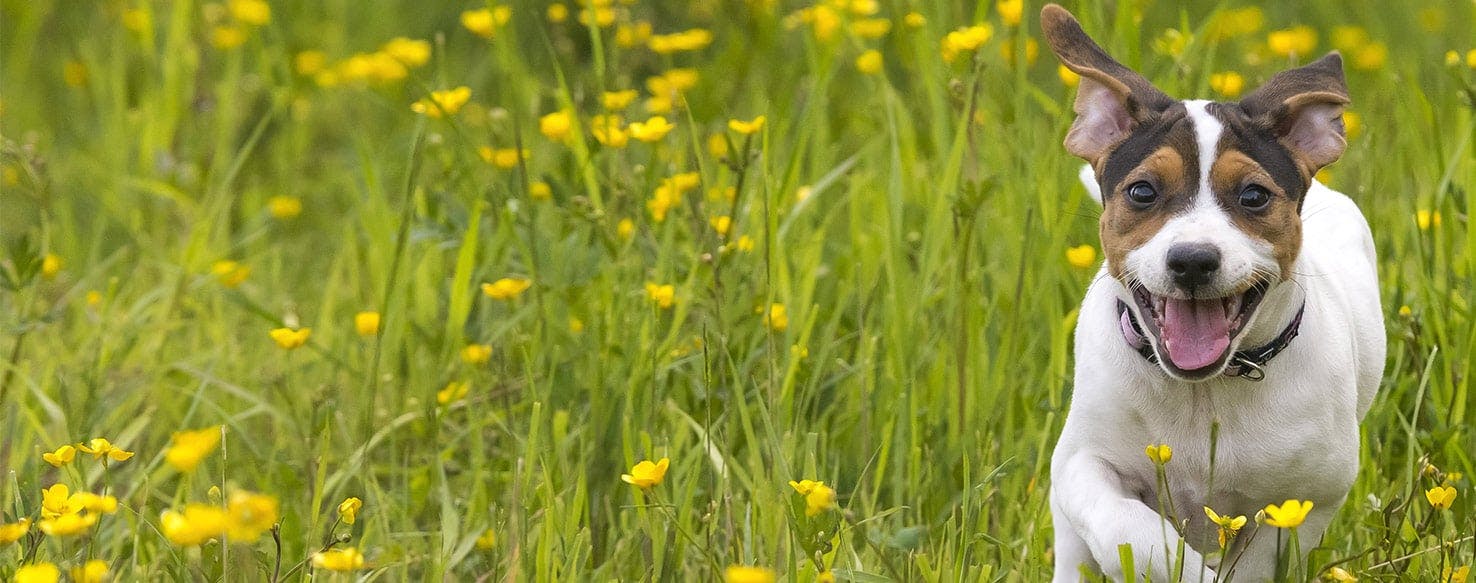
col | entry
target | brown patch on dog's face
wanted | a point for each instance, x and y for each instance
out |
(1160, 153)
(1279, 222)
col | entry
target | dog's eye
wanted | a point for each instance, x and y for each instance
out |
(1142, 193)
(1254, 198)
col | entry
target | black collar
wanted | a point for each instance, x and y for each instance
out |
(1244, 363)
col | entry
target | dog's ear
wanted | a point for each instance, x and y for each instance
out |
(1303, 107)
(1111, 98)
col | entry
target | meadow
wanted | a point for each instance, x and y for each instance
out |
(637, 290)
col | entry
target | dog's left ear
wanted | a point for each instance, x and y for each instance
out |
(1303, 107)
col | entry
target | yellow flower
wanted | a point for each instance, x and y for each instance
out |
(476, 354)
(507, 288)
(410, 52)
(777, 318)
(94, 298)
(1370, 57)
(67, 524)
(914, 20)
(1470, 63)
(74, 73)
(1235, 22)
(136, 20)
(94, 571)
(37, 573)
(50, 266)
(443, 103)
(341, 560)
(284, 207)
(309, 63)
(250, 515)
(504, 158)
(721, 224)
(618, 100)
(557, 13)
(188, 448)
(230, 273)
(663, 295)
(607, 131)
(870, 62)
(1010, 11)
(1352, 124)
(1068, 77)
(540, 190)
(366, 323)
(646, 474)
(348, 510)
(743, 574)
(964, 40)
(576, 325)
(95, 503)
(12, 532)
(100, 447)
(1292, 42)
(1425, 219)
(227, 37)
(747, 127)
(251, 12)
(1081, 256)
(650, 130)
(818, 496)
(1455, 575)
(690, 40)
(454, 391)
(556, 125)
(485, 22)
(487, 540)
(825, 577)
(288, 338)
(629, 35)
(62, 456)
(745, 243)
(625, 228)
(195, 525)
(1339, 575)
(601, 16)
(1160, 454)
(871, 28)
(1229, 526)
(1441, 497)
(1229, 83)
(1289, 515)
(56, 501)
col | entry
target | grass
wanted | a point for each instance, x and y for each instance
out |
(914, 225)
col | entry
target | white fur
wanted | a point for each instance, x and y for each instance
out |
(1293, 435)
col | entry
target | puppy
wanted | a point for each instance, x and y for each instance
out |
(1237, 293)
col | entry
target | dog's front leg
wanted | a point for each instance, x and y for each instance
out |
(1103, 515)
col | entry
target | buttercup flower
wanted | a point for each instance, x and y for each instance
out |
(618, 100)
(645, 474)
(476, 354)
(690, 40)
(94, 571)
(12, 532)
(454, 391)
(747, 127)
(777, 318)
(411, 52)
(507, 288)
(1441, 497)
(56, 501)
(1455, 575)
(818, 496)
(1296, 41)
(250, 515)
(487, 540)
(37, 573)
(100, 447)
(1229, 525)
(557, 125)
(485, 22)
(625, 228)
(743, 574)
(188, 448)
(1068, 77)
(1426, 220)
(348, 510)
(67, 524)
(1160, 454)
(964, 40)
(251, 12)
(870, 62)
(62, 456)
(193, 526)
(230, 273)
(1081, 256)
(1339, 575)
(1229, 83)
(1010, 11)
(96, 503)
(663, 295)
(1289, 515)
(51, 265)
(366, 323)
(288, 339)
(341, 560)
(284, 207)
(442, 103)
(651, 130)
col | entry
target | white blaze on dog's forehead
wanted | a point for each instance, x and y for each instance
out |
(1207, 131)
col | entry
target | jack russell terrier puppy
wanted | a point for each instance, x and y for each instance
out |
(1238, 298)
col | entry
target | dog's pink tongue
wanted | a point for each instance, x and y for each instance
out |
(1195, 332)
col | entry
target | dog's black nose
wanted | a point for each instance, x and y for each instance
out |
(1193, 264)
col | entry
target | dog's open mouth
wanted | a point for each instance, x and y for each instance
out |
(1195, 334)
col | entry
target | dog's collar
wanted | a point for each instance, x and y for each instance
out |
(1244, 363)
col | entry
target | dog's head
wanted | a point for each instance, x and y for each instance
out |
(1201, 200)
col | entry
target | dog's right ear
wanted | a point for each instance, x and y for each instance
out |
(1111, 98)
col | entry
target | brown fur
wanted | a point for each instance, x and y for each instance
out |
(1125, 228)
(1278, 225)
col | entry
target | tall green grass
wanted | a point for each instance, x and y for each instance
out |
(924, 373)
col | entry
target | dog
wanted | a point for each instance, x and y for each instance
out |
(1238, 298)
